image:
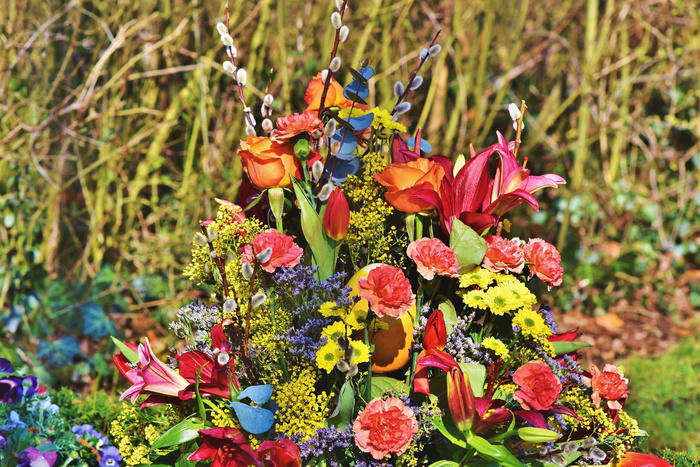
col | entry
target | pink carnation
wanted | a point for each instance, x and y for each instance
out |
(610, 385)
(503, 254)
(545, 259)
(539, 387)
(387, 290)
(284, 252)
(433, 257)
(385, 427)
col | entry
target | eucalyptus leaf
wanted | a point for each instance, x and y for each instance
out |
(382, 384)
(343, 414)
(469, 246)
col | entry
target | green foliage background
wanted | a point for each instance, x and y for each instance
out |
(118, 129)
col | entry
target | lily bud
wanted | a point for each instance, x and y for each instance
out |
(537, 435)
(460, 399)
(435, 331)
(276, 197)
(336, 217)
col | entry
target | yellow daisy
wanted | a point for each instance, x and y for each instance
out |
(495, 345)
(531, 323)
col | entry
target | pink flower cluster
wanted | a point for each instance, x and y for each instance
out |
(387, 290)
(543, 259)
(385, 427)
(433, 257)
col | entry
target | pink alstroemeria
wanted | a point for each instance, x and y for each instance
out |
(155, 378)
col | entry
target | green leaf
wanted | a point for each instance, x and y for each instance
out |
(95, 321)
(343, 413)
(469, 246)
(440, 425)
(563, 347)
(493, 452)
(477, 377)
(130, 355)
(444, 464)
(322, 250)
(382, 384)
(449, 311)
(537, 435)
(184, 431)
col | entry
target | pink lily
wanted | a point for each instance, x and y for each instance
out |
(155, 378)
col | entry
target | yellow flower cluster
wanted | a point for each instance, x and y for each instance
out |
(592, 417)
(507, 296)
(531, 323)
(222, 416)
(330, 353)
(301, 411)
(383, 120)
(495, 345)
(368, 240)
(228, 233)
(134, 434)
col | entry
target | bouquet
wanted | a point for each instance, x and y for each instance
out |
(368, 306)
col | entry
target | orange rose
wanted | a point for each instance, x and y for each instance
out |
(268, 163)
(404, 181)
(334, 96)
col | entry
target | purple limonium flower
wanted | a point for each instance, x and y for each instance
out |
(32, 457)
(6, 366)
(110, 457)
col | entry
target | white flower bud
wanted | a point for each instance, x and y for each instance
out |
(335, 64)
(230, 305)
(316, 134)
(250, 131)
(335, 147)
(317, 170)
(342, 366)
(213, 255)
(268, 100)
(597, 454)
(258, 299)
(352, 371)
(339, 4)
(241, 76)
(265, 255)
(343, 33)
(434, 50)
(232, 52)
(403, 107)
(267, 125)
(329, 129)
(223, 358)
(252, 120)
(227, 40)
(325, 192)
(221, 28)
(336, 20)
(212, 234)
(324, 76)
(415, 84)
(423, 54)
(247, 270)
(515, 115)
(200, 240)
(398, 89)
(228, 67)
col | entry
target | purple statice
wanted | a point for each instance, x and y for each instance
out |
(304, 294)
(194, 322)
(548, 316)
(3, 440)
(365, 460)
(566, 368)
(324, 441)
(462, 346)
(110, 457)
(304, 340)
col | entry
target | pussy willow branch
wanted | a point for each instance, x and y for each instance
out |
(327, 82)
(241, 97)
(415, 73)
(518, 141)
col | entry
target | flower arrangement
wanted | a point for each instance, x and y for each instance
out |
(35, 432)
(368, 307)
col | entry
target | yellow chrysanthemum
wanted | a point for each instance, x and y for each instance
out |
(531, 323)
(328, 355)
(498, 347)
(520, 291)
(330, 309)
(362, 352)
(333, 331)
(475, 299)
(477, 276)
(501, 300)
(356, 319)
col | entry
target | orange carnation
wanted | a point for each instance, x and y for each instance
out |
(387, 290)
(269, 163)
(433, 257)
(385, 427)
(290, 126)
(406, 183)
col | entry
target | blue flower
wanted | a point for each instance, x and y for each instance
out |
(110, 457)
(85, 431)
(14, 422)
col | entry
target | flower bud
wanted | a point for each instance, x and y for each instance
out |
(335, 64)
(267, 125)
(228, 67)
(336, 217)
(597, 454)
(268, 100)
(324, 76)
(336, 20)
(250, 131)
(352, 371)
(232, 52)
(275, 196)
(569, 447)
(221, 28)
(537, 435)
(402, 107)
(200, 240)
(223, 358)
(434, 50)
(247, 270)
(339, 4)
(329, 129)
(460, 399)
(415, 84)
(316, 134)
(317, 170)
(258, 299)
(230, 305)
(241, 76)
(515, 115)
(343, 33)
(335, 147)
(212, 234)
(423, 54)
(398, 89)
(325, 192)
(342, 366)
(265, 255)
(227, 40)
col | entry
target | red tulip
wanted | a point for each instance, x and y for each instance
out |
(336, 217)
